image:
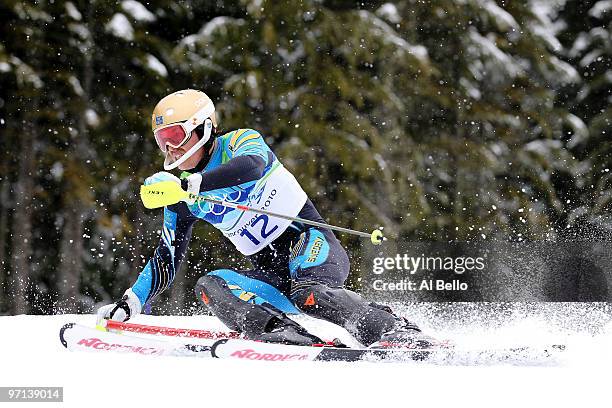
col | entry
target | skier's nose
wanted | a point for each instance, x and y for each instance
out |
(176, 153)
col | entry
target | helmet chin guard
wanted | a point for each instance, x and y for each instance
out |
(207, 131)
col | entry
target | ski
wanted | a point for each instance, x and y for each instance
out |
(77, 337)
(168, 331)
(119, 327)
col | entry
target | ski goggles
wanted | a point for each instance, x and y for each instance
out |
(177, 134)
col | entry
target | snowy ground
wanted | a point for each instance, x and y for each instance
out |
(31, 355)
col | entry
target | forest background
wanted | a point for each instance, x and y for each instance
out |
(441, 120)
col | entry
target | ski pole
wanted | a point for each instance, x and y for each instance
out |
(166, 193)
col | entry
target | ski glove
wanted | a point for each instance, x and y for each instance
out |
(121, 311)
(190, 184)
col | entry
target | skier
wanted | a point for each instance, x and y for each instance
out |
(297, 268)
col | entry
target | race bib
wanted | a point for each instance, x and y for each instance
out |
(278, 192)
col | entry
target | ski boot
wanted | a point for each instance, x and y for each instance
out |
(260, 322)
(283, 330)
(405, 335)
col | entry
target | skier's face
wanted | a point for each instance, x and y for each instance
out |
(177, 152)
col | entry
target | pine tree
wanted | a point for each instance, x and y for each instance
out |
(588, 45)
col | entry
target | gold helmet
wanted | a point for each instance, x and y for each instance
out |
(176, 116)
(181, 106)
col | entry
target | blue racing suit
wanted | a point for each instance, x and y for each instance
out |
(242, 169)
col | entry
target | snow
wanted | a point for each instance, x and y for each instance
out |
(292, 57)
(26, 12)
(120, 27)
(72, 11)
(25, 73)
(590, 58)
(548, 37)
(82, 31)
(218, 23)
(580, 44)
(544, 148)
(545, 28)
(57, 170)
(76, 85)
(254, 6)
(487, 47)
(137, 11)
(389, 12)
(32, 350)
(600, 8)
(581, 131)
(92, 118)
(503, 19)
(251, 81)
(565, 73)
(391, 36)
(380, 161)
(470, 88)
(156, 65)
